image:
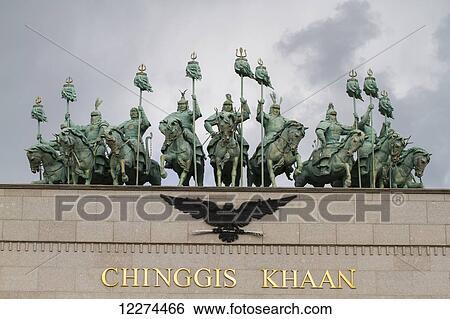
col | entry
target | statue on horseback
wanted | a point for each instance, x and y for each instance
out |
(77, 154)
(44, 154)
(94, 133)
(416, 159)
(281, 139)
(177, 150)
(122, 160)
(331, 163)
(224, 147)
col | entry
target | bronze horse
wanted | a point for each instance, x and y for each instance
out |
(279, 156)
(341, 163)
(123, 161)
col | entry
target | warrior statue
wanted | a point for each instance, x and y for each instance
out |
(130, 130)
(174, 154)
(94, 133)
(329, 132)
(332, 162)
(365, 152)
(224, 147)
(274, 122)
(284, 153)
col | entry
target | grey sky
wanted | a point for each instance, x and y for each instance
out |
(304, 44)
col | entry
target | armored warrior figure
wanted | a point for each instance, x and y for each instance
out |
(184, 115)
(364, 125)
(94, 133)
(274, 122)
(227, 112)
(130, 130)
(329, 132)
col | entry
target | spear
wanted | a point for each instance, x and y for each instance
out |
(371, 89)
(70, 95)
(262, 77)
(37, 113)
(354, 91)
(386, 109)
(193, 71)
(140, 81)
(242, 68)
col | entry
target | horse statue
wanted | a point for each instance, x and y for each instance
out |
(122, 161)
(386, 153)
(224, 150)
(279, 156)
(177, 153)
(78, 156)
(341, 162)
(54, 169)
(416, 159)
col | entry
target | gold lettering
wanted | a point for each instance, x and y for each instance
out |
(159, 274)
(327, 279)
(145, 283)
(308, 279)
(230, 277)
(188, 278)
(217, 276)
(267, 278)
(208, 278)
(104, 275)
(350, 283)
(125, 277)
(285, 278)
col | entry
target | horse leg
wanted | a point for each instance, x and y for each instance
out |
(162, 161)
(271, 172)
(122, 171)
(200, 173)
(74, 177)
(88, 174)
(234, 171)
(219, 175)
(347, 181)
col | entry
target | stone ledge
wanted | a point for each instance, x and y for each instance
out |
(224, 249)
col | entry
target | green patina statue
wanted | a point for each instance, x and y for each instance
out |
(224, 147)
(281, 139)
(94, 133)
(177, 151)
(331, 163)
(329, 132)
(130, 130)
(416, 159)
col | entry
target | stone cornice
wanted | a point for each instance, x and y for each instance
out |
(225, 249)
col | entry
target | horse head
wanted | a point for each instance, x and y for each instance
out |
(398, 144)
(37, 155)
(173, 128)
(354, 141)
(114, 138)
(294, 132)
(227, 126)
(421, 160)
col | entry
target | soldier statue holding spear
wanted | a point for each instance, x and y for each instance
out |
(141, 81)
(354, 91)
(70, 95)
(262, 77)
(37, 113)
(243, 69)
(371, 89)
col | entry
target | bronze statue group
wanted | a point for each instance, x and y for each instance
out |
(344, 156)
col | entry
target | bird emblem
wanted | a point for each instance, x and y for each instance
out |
(227, 220)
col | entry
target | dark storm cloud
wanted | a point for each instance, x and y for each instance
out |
(327, 46)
